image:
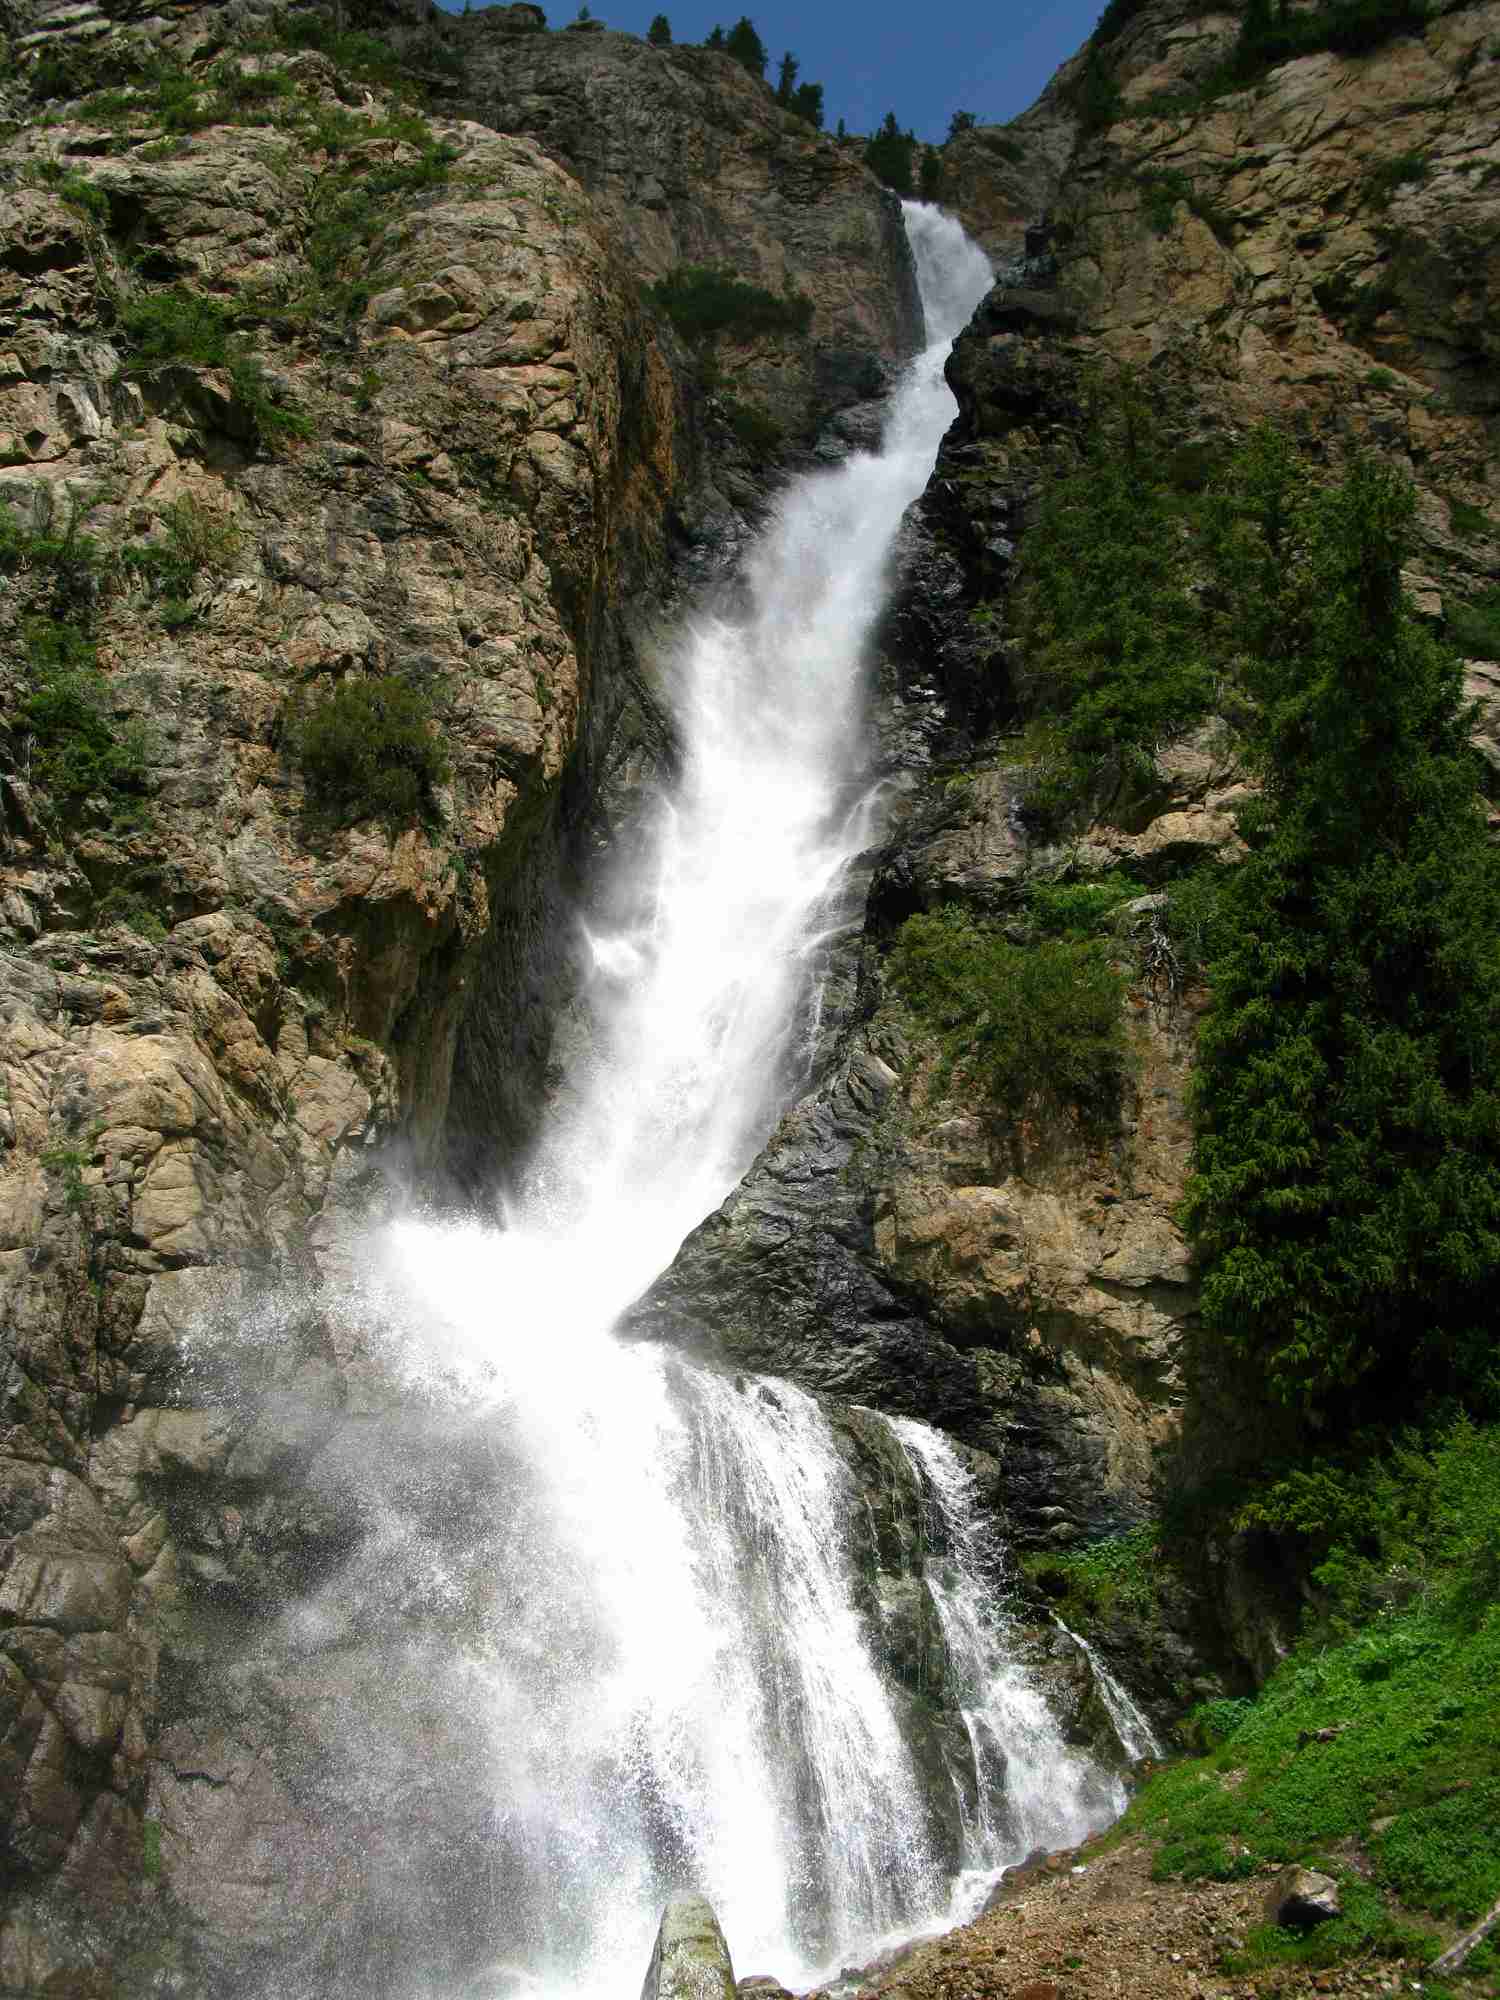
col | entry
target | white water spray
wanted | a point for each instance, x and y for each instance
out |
(673, 1675)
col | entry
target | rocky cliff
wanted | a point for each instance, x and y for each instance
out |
(308, 389)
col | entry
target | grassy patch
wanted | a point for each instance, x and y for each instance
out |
(703, 300)
(1385, 1731)
(1021, 1024)
(177, 326)
(367, 750)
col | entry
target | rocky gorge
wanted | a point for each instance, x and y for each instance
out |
(437, 426)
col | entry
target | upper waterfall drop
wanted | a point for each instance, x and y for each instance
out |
(675, 1655)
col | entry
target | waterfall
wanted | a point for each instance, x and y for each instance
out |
(670, 1664)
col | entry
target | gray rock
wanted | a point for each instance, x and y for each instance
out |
(691, 1959)
(1299, 1898)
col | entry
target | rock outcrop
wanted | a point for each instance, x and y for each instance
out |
(691, 1960)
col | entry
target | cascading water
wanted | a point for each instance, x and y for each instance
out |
(671, 1672)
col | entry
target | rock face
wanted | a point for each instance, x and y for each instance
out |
(691, 1959)
(691, 162)
(435, 436)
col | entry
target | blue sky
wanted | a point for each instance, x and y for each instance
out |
(883, 56)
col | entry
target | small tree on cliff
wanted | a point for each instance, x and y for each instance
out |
(888, 155)
(746, 46)
(659, 34)
(715, 37)
(786, 79)
(1345, 1198)
(807, 103)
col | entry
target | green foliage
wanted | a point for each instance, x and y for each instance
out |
(807, 104)
(1465, 519)
(1394, 1722)
(78, 756)
(1094, 93)
(1163, 188)
(367, 750)
(1114, 637)
(930, 176)
(747, 48)
(194, 539)
(1475, 628)
(702, 300)
(175, 324)
(68, 1163)
(1115, 19)
(961, 121)
(659, 34)
(362, 56)
(73, 188)
(1079, 908)
(759, 433)
(715, 38)
(889, 155)
(1022, 1025)
(1345, 1200)
(1350, 27)
(1400, 170)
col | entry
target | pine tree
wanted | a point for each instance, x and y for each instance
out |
(746, 46)
(889, 155)
(807, 103)
(715, 37)
(1345, 1198)
(786, 81)
(659, 34)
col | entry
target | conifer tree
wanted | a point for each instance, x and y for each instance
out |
(786, 81)
(659, 34)
(1345, 1198)
(807, 103)
(746, 46)
(715, 37)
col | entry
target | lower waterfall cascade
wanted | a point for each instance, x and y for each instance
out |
(675, 1674)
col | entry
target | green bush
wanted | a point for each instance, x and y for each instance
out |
(1023, 1025)
(175, 324)
(1079, 909)
(1475, 628)
(703, 300)
(367, 750)
(76, 753)
(1400, 170)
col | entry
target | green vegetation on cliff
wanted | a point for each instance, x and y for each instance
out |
(1345, 1200)
(1022, 1024)
(367, 750)
(703, 300)
(1116, 643)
